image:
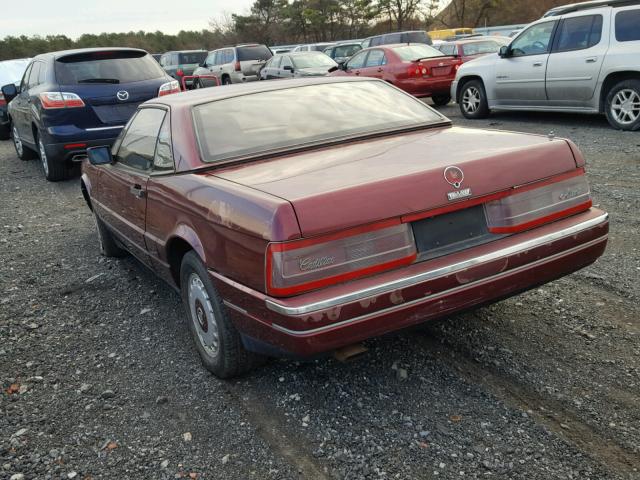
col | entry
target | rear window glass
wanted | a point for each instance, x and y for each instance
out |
(191, 58)
(346, 50)
(12, 71)
(107, 67)
(313, 60)
(414, 52)
(479, 48)
(230, 128)
(627, 26)
(416, 37)
(258, 52)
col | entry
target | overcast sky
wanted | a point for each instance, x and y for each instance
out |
(75, 17)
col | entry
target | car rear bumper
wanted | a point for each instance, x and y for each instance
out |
(75, 148)
(238, 77)
(344, 314)
(454, 90)
(425, 87)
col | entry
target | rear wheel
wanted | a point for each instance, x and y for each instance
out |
(226, 81)
(54, 169)
(473, 100)
(217, 341)
(623, 105)
(196, 84)
(24, 153)
(441, 100)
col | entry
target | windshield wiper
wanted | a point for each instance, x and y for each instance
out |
(99, 80)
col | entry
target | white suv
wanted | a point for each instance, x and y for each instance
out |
(579, 58)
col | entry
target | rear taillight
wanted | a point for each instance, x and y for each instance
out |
(53, 100)
(537, 206)
(169, 88)
(417, 71)
(303, 265)
(238, 67)
(180, 72)
(2, 100)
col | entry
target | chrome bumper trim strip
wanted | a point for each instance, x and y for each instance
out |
(432, 274)
(97, 129)
(435, 296)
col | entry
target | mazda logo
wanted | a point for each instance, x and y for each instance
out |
(122, 95)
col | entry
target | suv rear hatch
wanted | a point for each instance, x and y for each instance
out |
(111, 83)
(252, 58)
(189, 61)
(402, 175)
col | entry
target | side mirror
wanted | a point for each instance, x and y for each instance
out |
(99, 155)
(333, 69)
(504, 51)
(10, 92)
(288, 68)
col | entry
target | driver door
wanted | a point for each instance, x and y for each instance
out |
(122, 186)
(521, 77)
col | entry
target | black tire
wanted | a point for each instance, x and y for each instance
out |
(441, 100)
(205, 311)
(226, 80)
(23, 152)
(5, 132)
(473, 100)
(196, 84)
(108, 245)
(53, 167)
(624, 114)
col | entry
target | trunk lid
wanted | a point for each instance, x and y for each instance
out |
(441, 66)
(364, 182)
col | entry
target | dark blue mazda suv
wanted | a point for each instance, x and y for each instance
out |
(72, 100)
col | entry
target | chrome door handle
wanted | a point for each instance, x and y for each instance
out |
(137, 191)
(537, 64)
(380, 70)
(591, 60)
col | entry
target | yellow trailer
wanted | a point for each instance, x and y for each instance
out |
(448, 33)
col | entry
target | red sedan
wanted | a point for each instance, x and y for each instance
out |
(416, 68)
(345, 210)
(472, 48)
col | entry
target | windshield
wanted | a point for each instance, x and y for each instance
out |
(11, 71)
(257, 52)
(107, 67)
(414, 52)
(298, 116)
(479, 48)
(318, 60)
(192, 58)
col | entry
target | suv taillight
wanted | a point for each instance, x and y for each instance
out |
(55, 100)
(2, 100)
(169, 88)
(308, 264)
(238, 67)
(539, 205)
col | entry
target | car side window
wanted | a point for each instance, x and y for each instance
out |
(229, 56)
(375, 41)
(286, 62)
(25, 79)
(357, 61)
(34, 75)
(627, 26)
(138, 146)
(275, 62)
(42, 77)
(393, 38)
(448, 49)
(376, 58)
(534, 41)
(578, 33)
(210, 60)
(163, 158)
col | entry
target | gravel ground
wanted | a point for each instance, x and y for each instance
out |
(100, 379)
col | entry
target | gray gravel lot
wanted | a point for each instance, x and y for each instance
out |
(100, 379)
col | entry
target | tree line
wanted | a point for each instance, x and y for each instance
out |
(277, 22)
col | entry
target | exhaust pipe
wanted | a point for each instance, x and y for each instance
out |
(350, 352)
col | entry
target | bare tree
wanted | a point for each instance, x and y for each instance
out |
(400, 11)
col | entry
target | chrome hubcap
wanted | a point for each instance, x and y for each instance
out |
(202, 315)
(17, 142)
(625, 107)
(471, 100)
(43, 157)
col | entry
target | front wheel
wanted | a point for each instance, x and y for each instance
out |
(623, 105)
(54, 169)
(441, 100)
(217, 340)
(473, 100)
(226, 81)
(24, 153)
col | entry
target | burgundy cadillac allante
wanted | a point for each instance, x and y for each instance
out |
(303, 216)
